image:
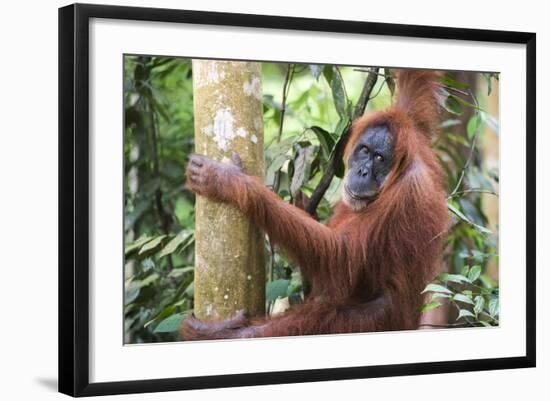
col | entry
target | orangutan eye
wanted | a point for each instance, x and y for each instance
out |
(365, 149)
(379, 158)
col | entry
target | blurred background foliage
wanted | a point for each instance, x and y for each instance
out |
(306, 110)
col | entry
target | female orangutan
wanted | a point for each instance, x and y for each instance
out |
(367, 268)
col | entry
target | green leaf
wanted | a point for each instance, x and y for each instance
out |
(274, 167)
(493, 306)
(453, 278)
(463, 217)
(457, 139)
(325, 140)
(168, 311)
(338, 92)
(328, 72)
(181, 302)
(301, 170)
(152, 244)
(334, 191)
(463, 298)
(473, 125)
(183, 236)
(436, 288)
(340, 169)
(295, 284)
(280, 148)
(129, 248)
(277, 288)
(465, 270)
(468, 104)
(463, 313)
(452, 105)
(450, 123)
(479, 304)
(147, 264)
(451, 83)
(342, 125)
(131, 292)
(190, 290)
(474, 273)
(437, 295)
(429, 306)
(181, 271)
(170, 324)
(148, 280)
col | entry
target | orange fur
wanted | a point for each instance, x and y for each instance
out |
(367, 268)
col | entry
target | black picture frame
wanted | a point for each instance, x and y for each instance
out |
(74, 198)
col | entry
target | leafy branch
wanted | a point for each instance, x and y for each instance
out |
(467, 294)
(338, 153)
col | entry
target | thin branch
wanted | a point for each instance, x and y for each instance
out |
(470, 156)
(380, 74)
(365, 93)
(482, 290)
(164, 216)
(286, 88)
(472, 190)
(271, 273)
(456, 90)
(277, 178)
(340, 146)
(384, 82)
(466, 165)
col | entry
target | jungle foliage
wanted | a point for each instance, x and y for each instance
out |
(307, 110)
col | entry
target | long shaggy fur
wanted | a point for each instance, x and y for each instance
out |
(367, 268)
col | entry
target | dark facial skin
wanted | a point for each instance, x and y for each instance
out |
(369, 164)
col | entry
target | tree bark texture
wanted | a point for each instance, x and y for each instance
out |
(229, 250)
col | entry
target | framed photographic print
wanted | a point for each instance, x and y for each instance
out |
(250, 199)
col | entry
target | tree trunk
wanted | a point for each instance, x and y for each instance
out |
(229, 250)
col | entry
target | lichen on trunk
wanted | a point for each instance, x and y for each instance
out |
(229, 250)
